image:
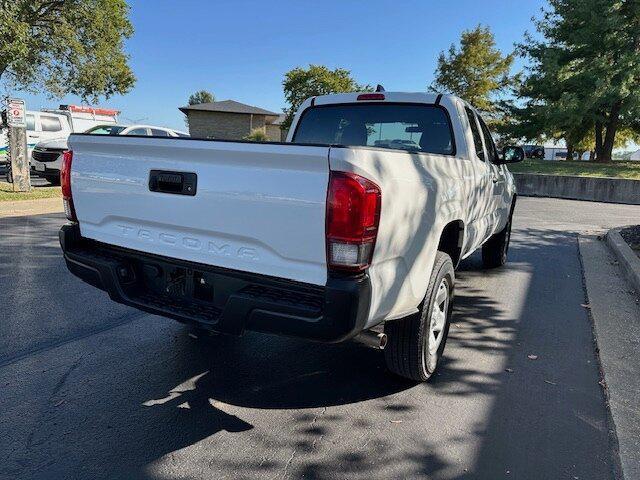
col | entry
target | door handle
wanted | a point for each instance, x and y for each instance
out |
(177, 183)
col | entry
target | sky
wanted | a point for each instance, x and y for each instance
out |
(240, 50)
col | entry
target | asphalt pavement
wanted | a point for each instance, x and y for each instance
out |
(91, 389)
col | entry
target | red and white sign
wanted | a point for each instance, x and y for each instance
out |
(91, 110)
(15, 113)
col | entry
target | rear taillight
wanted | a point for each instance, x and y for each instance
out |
(353, 215)
(65, 182)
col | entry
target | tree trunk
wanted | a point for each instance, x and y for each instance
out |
(598, 134)
(610, 134)
(569, 152)
(592, 155)
(580, 154)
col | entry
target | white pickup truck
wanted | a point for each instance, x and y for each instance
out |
(352, 228)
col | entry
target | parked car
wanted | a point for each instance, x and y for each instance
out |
(46, 158)
(533, 151)
(326, 237)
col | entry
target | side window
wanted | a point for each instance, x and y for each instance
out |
(138, 131)
(50, 124)
(158, 133)
(477, 138)
(31, 122)
(488, 140)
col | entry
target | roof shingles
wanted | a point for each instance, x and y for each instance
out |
(228, 106)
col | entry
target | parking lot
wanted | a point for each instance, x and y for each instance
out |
(92, 389)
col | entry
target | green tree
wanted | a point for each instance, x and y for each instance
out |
(66, 47)
(201, 96)
(476, 71)
(588, 62)
(302, 83)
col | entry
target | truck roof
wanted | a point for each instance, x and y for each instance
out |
(402, 97)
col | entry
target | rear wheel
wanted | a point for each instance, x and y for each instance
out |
(54, 180)
(415, 344)
(494, 251)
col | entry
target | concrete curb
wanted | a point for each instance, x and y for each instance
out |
(615, 313)
(629, 261)
(595, 189)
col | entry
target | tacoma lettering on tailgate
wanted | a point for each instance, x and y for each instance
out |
(190, 243)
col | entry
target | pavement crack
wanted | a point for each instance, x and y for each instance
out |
(118, 322)
(294, 452)
(65, 377)
(56, 389)
(315, 419)
(286, 467)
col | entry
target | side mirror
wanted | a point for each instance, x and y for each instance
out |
(511, 154)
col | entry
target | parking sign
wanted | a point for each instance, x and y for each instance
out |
(15, 113)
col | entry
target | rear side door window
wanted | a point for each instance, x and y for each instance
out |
(492, 151)
(475, 132)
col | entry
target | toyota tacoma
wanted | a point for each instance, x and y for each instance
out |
(353, 227)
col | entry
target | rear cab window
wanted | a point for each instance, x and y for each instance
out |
(411, 127)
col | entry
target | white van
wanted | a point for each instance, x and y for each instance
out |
(82, 118)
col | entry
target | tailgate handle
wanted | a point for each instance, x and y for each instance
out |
(177, 183)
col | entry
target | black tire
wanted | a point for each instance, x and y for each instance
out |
(495, 250)
(54, 180)
(408, 340)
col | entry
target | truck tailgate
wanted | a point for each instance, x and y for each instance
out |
(257, 207)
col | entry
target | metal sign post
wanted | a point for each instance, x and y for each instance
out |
(18, 153)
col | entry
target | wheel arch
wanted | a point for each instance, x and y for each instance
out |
(451, 239)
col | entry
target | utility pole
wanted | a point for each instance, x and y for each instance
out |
(18, 153)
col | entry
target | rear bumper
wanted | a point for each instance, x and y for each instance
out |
(221, 300)
(44, 169)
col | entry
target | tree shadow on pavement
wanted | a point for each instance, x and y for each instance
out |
(262, 406)
(549, 416)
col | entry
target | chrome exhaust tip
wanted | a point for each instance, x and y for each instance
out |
(372, 339)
